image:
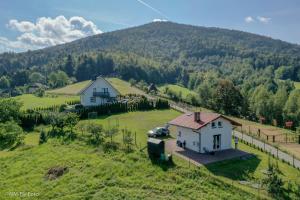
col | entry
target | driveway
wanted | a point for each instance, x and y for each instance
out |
(202, 159)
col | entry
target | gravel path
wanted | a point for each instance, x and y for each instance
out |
(269, 148)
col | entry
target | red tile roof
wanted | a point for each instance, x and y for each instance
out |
(187, 120)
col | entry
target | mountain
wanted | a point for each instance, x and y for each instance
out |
(170, 42)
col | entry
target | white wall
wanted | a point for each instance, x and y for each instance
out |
(208, 132)
(206, 141)
(191, 138)
(88, 93)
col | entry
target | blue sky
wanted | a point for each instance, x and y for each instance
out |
(33, 24)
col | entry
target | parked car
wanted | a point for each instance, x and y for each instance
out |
(159, 131)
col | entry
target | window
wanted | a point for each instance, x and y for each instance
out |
(213, 125)
(93, 99)
(94, 89)
(220, 124)
(179, 133)
(194, 143)
(105, 90)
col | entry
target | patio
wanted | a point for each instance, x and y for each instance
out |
(203, 159)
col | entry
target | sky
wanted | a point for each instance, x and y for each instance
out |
(34, 24)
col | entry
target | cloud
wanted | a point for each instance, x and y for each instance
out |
(159, 20)
(47, 31)
(249, 19)
(152, 8)
(264, 20)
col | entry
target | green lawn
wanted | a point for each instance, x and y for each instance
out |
(72, 89)
(139, 122)
(122, 86)
(31, 101)
(176, 88)
(93, 174)
(297, 85)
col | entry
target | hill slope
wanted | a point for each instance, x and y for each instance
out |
(167, 41)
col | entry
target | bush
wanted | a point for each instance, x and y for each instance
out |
(40, 92)
(11, 135)
(96, 136)
(43, 137)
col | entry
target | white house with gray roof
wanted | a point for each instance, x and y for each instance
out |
(98, 92)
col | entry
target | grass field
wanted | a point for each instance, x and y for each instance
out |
(122, 86)
(30, 101)
(297, 85)
(176, 88)
(93, 174)
(72, 89)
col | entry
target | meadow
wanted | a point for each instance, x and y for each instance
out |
(93, 173)
(178, 89)
(31, 101)
(297, 85)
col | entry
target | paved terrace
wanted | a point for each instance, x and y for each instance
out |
(203, 159)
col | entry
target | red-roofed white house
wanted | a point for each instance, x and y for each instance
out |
(204, 132)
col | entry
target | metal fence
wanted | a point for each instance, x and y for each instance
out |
(275, 151)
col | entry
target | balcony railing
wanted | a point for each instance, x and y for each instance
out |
(101, 94)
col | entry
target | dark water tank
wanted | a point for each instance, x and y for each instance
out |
(155, 147)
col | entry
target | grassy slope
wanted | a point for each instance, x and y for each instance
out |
(30, 101)
(122, 86)
(94, 174)
(72, 89)
(297, 85)
(178, 89)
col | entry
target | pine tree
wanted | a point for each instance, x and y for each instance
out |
(43, 137)
(69, 66)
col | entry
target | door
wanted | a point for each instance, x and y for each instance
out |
(217, 142)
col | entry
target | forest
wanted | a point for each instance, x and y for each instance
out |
(233, 72)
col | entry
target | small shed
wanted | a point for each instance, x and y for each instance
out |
(155, 147)
(152, 88)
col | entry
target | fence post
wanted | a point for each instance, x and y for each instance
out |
(293, 161)
(277, 152)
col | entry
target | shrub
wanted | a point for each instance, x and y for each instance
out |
(127, 139)
(9, 110)
(40, 92)
(95, 132)
(43, 137)
(11, 135)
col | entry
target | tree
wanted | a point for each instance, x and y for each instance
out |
(110, 132)
(227, 98)
(4, 82)
(69, 66)
(279, 100)
(205, 92)
(20, 78)
(40, 92)
(70, 120)
(9, 110)
(127, 139)
(261, 103)
(95, 134)
(273, 182)
(11, 135)
(292, 107)
(43, 137)
(36, 77)
(58, 79)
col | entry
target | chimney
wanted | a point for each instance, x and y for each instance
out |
(197, 116)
